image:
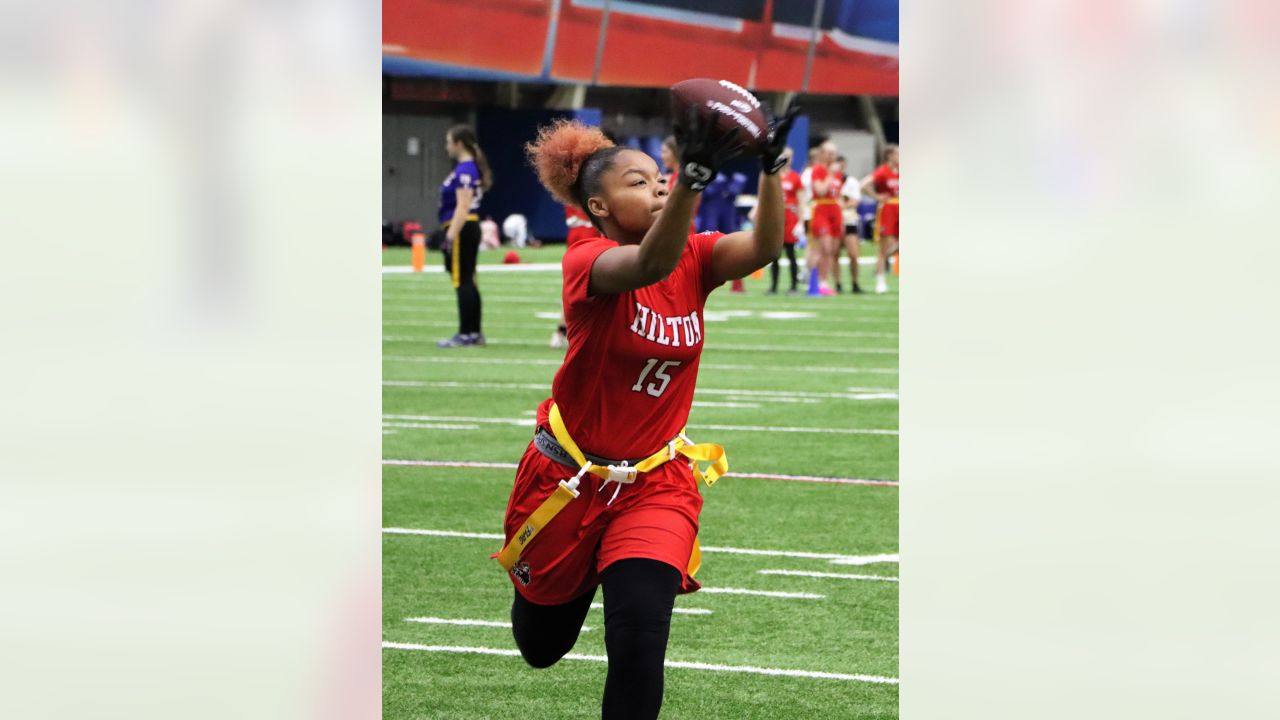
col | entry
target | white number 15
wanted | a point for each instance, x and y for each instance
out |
(655, 389)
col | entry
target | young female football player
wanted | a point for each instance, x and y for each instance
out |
(459, 202)
(606, 494)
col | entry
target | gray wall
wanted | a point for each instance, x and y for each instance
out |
(411, 183)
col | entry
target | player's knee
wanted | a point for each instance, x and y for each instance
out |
(639, 595)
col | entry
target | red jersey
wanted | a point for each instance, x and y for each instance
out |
(791, 187)
(820, 172)
(626, 385)
(885, 180)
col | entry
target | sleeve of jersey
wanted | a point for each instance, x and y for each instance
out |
(468, 176)
(576, 265)
(703, 244)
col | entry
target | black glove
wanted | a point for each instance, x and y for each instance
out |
(776, 141)
(702, 150)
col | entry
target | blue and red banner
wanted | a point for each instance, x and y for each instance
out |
(760, 44)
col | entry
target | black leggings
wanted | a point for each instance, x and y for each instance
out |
(791, 256)
(638, 597)
(460, 262)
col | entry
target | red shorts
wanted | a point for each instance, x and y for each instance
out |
(656, 517)
(789, 228)
(828, 219)
(887, 219)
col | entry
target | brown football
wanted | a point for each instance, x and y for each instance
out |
(729, 104)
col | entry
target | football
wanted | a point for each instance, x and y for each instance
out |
(729, 104)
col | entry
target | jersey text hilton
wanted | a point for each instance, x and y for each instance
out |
(672, 331)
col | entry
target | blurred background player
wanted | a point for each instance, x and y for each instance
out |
(805, 197)
(459, 204)
(791, 189)
(883, 184)
(828, 216)
(633, 297)
(850, 197)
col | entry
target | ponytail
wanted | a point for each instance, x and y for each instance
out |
(465, 135)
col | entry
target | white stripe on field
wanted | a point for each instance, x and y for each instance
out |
(477, 623)
(528, 422)
(514, 267)
(867, 560)
(554, 317)
(678, 611)
(680, 664)
(709, 347)
(429, 426)
(839, 576)
(854, 393)
(444, 533)
(763, 593)
(456, 359)
(708, 403)
(833, 557)
(732, 473)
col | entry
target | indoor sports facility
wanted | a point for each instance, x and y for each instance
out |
(797, 616)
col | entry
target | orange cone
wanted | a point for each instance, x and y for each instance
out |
(897, 264)
(419, 251)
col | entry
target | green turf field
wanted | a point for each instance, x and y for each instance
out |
(794, 386)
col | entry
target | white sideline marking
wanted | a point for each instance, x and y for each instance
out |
(554, 317)
(681, 664)
(478, 623)
(757, 476)
(854, 393)
(431, 426)
(709, 346)
(472, 360)
(678, 611)
(763, 593)
(514, 267)
(839, 576)
(708, 403)
(528, 422)
(867, 560)
(728, 550)
(444, 533)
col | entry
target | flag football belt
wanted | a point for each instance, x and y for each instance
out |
(623, 472)
(826, 201)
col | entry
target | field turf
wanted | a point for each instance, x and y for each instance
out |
(790, 386)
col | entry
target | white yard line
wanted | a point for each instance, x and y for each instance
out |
(867, 560)
(678, 611)
(838, 576)
(782, 331)
(756, 476)
(709, 404)
(468, 359)
(854, 393)
(528, 422)
(764, 593)
(680, 664)
(833, 557)
(444, 533)
(477, 623)
(709, 347)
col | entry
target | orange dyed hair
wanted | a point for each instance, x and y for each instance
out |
(559, 152)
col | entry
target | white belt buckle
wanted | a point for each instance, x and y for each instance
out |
(621, 474)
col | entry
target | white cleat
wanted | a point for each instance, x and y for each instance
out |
(558, 340)
(882, 285)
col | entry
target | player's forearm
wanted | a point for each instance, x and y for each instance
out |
(662, 246)
(770, 218)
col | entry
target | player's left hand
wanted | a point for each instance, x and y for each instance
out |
(779, 128)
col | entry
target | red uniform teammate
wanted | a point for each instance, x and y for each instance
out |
(790, 180)
(883, 183)
(606, 493)
(828, 216)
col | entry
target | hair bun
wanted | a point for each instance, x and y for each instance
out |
(559, 152)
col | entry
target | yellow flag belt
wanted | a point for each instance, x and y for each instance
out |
(622, 474)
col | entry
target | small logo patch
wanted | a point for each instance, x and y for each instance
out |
(521, 571)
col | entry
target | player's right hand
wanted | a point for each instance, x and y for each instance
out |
(703, 150)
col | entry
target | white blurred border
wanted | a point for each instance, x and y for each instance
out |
(189, 447)
(1088, 365)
